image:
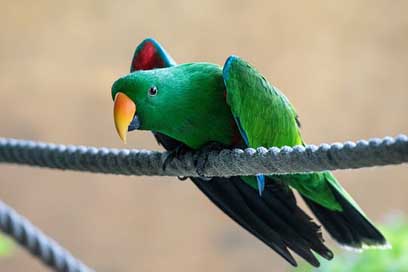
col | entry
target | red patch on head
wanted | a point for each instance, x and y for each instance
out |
(147, 58)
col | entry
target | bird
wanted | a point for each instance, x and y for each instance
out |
(204, 106)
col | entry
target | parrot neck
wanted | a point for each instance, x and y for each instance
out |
(198, 113)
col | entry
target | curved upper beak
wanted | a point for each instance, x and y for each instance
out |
(124, 109)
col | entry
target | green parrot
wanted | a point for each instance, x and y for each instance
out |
(194, 105)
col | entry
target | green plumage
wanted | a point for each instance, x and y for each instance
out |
(265, 114)
(236, 106)
(268, 119)
(189, 106)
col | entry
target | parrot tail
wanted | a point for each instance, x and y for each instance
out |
(274, 217)
(349, 227)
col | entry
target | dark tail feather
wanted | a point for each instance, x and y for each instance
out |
(274, 218)
(282, 200)
(348, 227)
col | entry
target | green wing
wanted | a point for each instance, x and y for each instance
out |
(262, 112)
(266, 118)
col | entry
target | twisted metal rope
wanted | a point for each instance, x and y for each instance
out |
(298, 159)
(375, 152)
(46, 249)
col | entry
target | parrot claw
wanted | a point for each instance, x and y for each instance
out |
(182, 178)
(201, 157)
(175, 153)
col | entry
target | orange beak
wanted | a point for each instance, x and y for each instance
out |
(124, 110)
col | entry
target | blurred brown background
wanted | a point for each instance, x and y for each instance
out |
(342, 64)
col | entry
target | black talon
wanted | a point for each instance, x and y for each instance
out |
(182, 178)
(199, 164)
(201, 157)
(175, 153)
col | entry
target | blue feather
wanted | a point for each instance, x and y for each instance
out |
(241, 130)
(261, 183)
(227, 66)
(259, 177)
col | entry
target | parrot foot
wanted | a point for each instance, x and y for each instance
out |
(201, 157)
(175, 153)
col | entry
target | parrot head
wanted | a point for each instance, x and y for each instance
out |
(168, 100)
(139, 102)
(149, 54)
(185, 102)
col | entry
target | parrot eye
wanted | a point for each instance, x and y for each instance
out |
(152, 91)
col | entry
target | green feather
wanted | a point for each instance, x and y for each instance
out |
(198, 103)
(268, 119)
(191, 107)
